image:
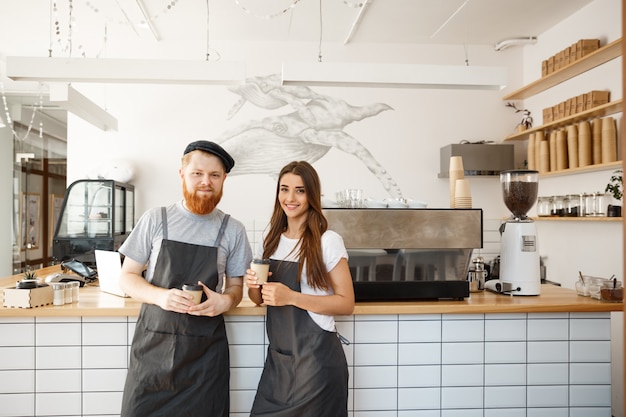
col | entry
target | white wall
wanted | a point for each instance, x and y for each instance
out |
(156, 122)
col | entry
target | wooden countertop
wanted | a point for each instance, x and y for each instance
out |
(94, 303)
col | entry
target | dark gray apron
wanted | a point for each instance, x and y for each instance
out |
(305, 373)
(179, 364)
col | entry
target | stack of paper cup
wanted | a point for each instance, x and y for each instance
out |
(456, 173)
(462, 194)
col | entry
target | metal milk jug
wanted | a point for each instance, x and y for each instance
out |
(477, 275)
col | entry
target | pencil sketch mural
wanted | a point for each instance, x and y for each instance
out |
(312, 125)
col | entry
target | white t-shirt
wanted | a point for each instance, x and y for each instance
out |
(333, 250)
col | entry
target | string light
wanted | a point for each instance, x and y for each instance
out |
(267, 16)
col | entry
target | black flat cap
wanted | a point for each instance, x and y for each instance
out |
(215, 149)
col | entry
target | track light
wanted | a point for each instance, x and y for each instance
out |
(529, 40)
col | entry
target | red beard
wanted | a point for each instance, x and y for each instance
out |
(200, 204)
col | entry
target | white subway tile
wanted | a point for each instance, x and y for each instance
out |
(590, 329)
(375, 399)
(547, 352)
(500, 397)
(58, 404)
(375, 377)
(548, 329)
(462, 413)
(245, 378)
(97, 380)
(420, 331)
(420, 398)
(505, 374)
(590, 351)
(547, 396)
(376, 332)
(547, 374)
(419, 376)
(58, 380)
(590, 411)
(15, 382)
(462, 375)
(505, 330)
(589, 395)
(247, 355)
(102, 403)
(59, 357)
(241, 401)
(417, 413)
(245, 333)
(21, 334)
(105, 334)
(105, 357)
(58, 334)
(505, 352)
(375, 354)
(419, 353)
(590, 373)
(505, 412)
(462, 330)
(462, 397)
(462, 353)
(550, 412)
(17, 357)
(17, 405)
(377, 413)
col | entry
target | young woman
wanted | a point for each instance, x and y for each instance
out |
(305, 371)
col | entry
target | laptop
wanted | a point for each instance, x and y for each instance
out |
(109, 266)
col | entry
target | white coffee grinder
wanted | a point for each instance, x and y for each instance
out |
(519, 257)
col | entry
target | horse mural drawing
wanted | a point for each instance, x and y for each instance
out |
(314, 125)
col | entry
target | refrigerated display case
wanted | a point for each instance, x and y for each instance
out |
(96, 214)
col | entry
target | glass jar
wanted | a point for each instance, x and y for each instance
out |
(572, 208)
(612, 291)
(581, 204)
(543, 206)
(602, 202)
(558, 207)
(595, 284)
(590, 205)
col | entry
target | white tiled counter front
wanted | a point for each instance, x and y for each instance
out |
(488, 356)
(488, 365)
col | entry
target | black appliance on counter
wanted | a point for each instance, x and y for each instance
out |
(409, 254)
(96, 214)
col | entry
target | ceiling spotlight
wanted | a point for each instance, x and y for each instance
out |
(528, 40)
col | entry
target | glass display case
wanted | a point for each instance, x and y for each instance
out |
(96, 214)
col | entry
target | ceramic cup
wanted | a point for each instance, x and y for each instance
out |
(262, 268)
(195, 290)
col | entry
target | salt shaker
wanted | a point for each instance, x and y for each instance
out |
(58, 294)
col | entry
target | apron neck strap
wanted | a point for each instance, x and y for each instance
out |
(222, 228)
(164, 220)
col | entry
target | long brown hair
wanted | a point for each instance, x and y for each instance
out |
(310, 251)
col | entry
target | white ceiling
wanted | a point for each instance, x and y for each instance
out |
(200, 22)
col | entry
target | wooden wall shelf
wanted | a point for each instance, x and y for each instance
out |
(579, 219)
(581, 170)
(599, 57)
(599, 111)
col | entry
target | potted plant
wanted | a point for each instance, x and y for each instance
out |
(614, 187)
(29, 280)
(527, 120)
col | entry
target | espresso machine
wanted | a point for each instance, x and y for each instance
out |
(519, 257)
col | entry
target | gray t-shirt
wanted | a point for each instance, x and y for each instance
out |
(144, 243)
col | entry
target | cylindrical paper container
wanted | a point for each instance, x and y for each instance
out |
(584, 144)
(561, 150)
(596, 141)
(572, 146)
(609, 140)
(462, 188)
(544, 156)
(552, 150)
(530, 153)
(539, 136)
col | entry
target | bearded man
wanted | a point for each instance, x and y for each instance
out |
(179, 362)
